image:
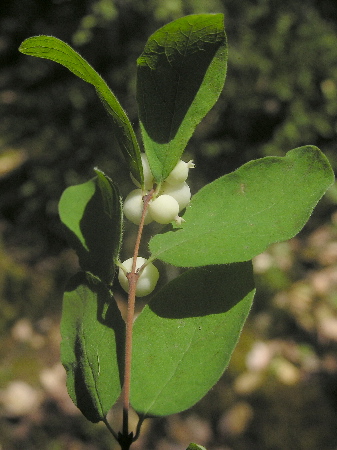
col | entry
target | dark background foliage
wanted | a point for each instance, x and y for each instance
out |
(280, 93)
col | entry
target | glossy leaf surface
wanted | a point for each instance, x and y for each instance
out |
(184, 338)
(49, 47)
(238, 215)
(92, 215)
(92, 332)
(181, 73)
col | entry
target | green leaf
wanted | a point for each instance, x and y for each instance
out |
(92, 345)
(184, 338)
(238, 215)
(92, 215)
(181, 73)
(193, 446)
(49, 47)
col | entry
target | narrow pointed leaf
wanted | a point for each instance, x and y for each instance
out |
(92, 215)
(181, 73)
(49, 47)
(184, 338)
(237, 216)
(92, 332)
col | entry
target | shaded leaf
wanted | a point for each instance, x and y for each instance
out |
(92, 345)
(92, 215)
(181, 73)
(184, 338)
(238, 215)
(49, 47)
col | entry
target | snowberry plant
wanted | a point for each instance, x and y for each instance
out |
(177, 348)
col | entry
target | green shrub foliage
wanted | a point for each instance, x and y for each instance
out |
(184, 337)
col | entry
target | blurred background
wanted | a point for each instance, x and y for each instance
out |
(280, 391)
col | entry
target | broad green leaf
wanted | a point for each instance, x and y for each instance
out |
(184, 338)
(49, 47)
(92, 215)
(193, 446)
(92, 345)
(238, 215)
(181, 73)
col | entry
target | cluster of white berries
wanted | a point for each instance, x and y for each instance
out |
(147, 279)
(173, 196)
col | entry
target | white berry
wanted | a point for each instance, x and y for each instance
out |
(148, 177)
(181, 192)
(164, 209)
(147, 280)
(180, 173)
(133, 207)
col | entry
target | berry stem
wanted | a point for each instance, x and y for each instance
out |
(132, 278)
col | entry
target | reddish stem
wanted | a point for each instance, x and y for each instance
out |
(132, 278)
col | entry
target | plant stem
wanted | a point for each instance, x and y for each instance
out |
(132, 278)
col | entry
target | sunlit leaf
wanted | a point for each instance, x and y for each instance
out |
(181, 73)
(49, 47)
(184, 338)
(237, 216)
